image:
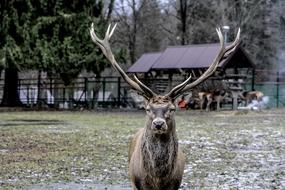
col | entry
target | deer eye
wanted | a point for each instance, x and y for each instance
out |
(169, 113)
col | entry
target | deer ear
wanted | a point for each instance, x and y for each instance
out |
(146, 101)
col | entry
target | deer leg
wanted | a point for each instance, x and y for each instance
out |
(218, 103)
(246, 101)
(201, 104)
(210, 100)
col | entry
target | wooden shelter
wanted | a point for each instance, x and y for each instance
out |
(189, 57)
(180, 61)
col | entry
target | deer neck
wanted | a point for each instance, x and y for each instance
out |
(159, 152)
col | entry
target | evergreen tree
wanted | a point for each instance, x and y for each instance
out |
(51, 36)
(13, 50)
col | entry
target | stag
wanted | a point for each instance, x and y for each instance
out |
(156, 161)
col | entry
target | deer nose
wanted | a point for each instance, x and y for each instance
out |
(158, 123)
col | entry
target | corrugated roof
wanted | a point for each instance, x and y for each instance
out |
(144, 63)
(190, 57)
(184, 57)
(170, 57)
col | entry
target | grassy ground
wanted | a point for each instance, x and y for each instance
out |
(225, 150)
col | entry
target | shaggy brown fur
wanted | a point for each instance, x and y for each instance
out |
(156, 162)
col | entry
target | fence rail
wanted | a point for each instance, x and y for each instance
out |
(113, 92)
(84, 92)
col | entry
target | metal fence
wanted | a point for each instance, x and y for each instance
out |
(272, 84)
(112, 92)
(83, 92)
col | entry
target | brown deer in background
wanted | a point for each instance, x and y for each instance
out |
(155, 159)
(211, 97)
(248, 96)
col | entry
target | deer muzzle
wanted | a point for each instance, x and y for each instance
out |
(159, 125)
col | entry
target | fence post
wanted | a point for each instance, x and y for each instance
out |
(28, 95)
(50, 86)
(119, 92)
(253, 79)
(85, 92)
(277, 89)
(19, 89)
(39, 101)
(63, 96)
(104, 88)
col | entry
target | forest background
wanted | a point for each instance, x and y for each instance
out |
(52, 36)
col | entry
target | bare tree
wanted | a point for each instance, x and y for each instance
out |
(257, 18)
(150, 34)
(260, 24)
(191, 22)
(127, 12)
(140, 26)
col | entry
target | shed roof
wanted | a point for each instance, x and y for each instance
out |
(144, 63)
(191, 57)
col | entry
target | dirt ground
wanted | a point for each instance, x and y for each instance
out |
(88, 150)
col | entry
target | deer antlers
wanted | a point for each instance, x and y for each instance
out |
(137, 85)
(106, 49)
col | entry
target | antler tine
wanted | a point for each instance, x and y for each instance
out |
(235, 42)
(112, 31)
(106, 49)
(179, 87)
(107, 32)
(95, 37)
(231, 48)
(223, 52)
(147, 91)
(92, 33)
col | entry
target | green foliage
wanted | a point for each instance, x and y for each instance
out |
(62, 40)
(51, 36)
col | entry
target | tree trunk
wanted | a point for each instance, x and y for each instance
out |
(58, 92)
(42, 91)
(183, 15)
(11, 95)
